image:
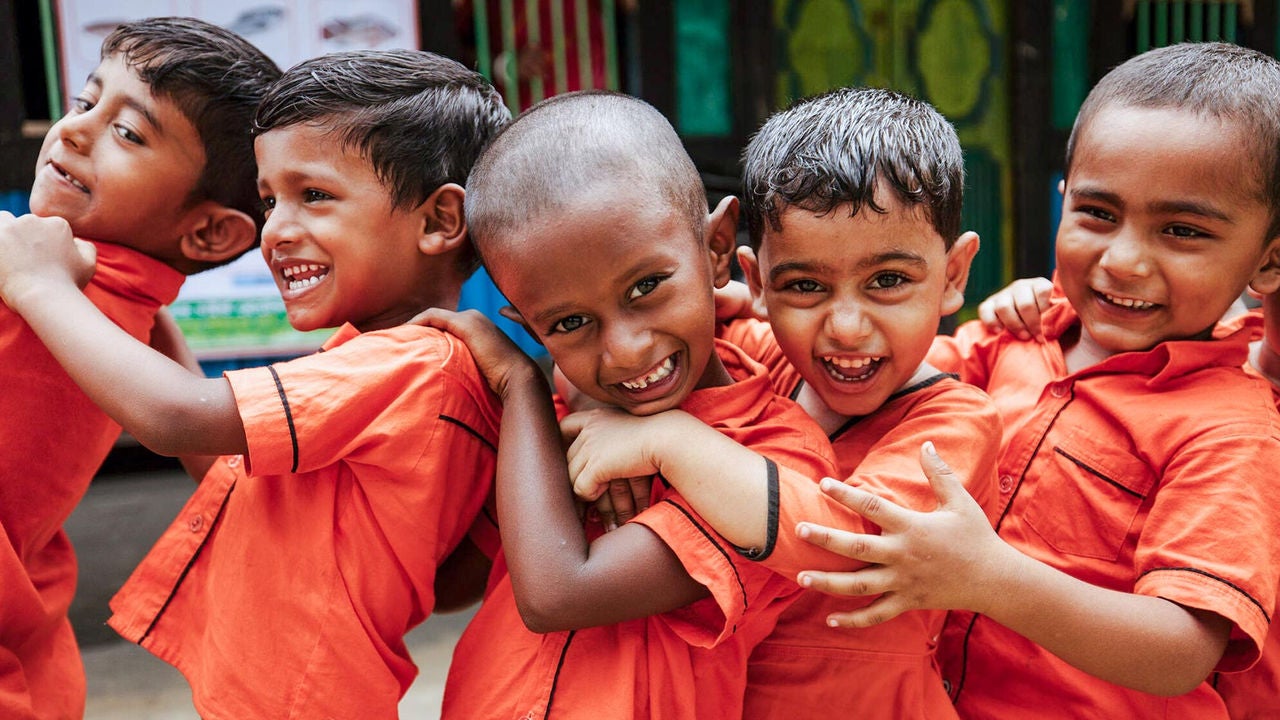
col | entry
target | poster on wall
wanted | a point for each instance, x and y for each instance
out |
(234, 313)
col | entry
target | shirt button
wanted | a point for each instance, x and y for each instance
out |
(195, 523)
(1058, 390)
(233, 461)
(1006, 484)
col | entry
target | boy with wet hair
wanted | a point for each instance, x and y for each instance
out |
(285, 586)
(1136, 548)
(853, 206)
(656, 618)
(154, 165)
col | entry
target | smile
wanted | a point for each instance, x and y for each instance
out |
(69, 177)
(847, 369)
(660, 372)
(1130, 303)
(301, 277)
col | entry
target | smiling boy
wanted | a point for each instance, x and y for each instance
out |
(285, 586)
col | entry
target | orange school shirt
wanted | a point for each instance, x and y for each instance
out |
(686, 663)
(52, 441)
(805, 669)
(1254, 694)
(285, 586)
(1151, 473)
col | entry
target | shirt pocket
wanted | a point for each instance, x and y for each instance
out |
(1088, 497)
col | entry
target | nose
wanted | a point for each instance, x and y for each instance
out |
(75, 130)
(1125, 255)
(280, 228)
(847, 323)
(624, 344)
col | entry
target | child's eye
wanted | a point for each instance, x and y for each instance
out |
(644, 287)
(805, 285)
(1184, 231)
(886, 280)
(267, 203)
(1098, 213)
(81, 104)
(569, 324)
(311, 195)
(128, 135)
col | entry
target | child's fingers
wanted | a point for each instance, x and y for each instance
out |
(624, 504)
(1029, 304)
(853, 545)
(604, 507)
(868, 581)
(870, 506)
(881, 610)
(947, 487)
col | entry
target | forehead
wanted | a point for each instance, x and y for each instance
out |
(307, 149)
(840, 241)
(1159, 155)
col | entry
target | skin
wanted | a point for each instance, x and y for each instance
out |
(1149, 204)
(854, 303)
(121, 166)
(640, 310)
(165, 406)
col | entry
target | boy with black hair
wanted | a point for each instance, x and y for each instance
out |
(853, 206)
(285, 586)
(1136, 547)
(154, 165)
(656, 618)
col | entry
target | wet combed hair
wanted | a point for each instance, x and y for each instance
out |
(216, 79)
(838, 148)
(1228, 82)
(420, 119)
(562, 147)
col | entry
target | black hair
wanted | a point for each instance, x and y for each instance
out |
(838, 148)
(569, 143)
(1221, 80)
(215, 78)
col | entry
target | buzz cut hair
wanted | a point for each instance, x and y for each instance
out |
(562, 147)
(1220, 80)
(837, 149)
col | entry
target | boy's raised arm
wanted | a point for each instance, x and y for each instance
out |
(951, 559)
(158, 401)
(561, 580)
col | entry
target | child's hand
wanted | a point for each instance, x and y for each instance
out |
(606, 444)
(733, 301)
(624, 500)
(499, 360)
(36, 250)
(1017, 308)
(937, 560)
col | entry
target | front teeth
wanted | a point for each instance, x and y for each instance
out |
(850, 363)
(74, 182)
(659, 373)
(301, 283)
(1129, 302)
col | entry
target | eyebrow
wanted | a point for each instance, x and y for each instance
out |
(901, 256)
(1168, 207)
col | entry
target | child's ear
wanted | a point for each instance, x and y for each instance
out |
(721, 237)
(511, 313)
(751, 271)
(959, 260)
(217, 233)
(444, 228)
(1267, 279)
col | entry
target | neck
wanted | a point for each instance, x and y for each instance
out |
(715, 374)
(1264, 359)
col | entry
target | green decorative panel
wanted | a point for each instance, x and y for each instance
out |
(822, 44)
(703, 74)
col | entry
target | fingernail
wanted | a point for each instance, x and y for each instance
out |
(827, 484)
(928, 448)
(805, 581)
(802, 530)
(831, 622)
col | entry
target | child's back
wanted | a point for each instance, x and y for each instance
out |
(136, 183)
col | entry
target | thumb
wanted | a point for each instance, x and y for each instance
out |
(88, 251)
(946, 486)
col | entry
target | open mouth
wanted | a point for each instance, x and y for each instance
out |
(301, 277)
(656, 375)
(1124, 302)
(845, 369)
(69, 177)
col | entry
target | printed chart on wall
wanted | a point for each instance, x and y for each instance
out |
(235, 311)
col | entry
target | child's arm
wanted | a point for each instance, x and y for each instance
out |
(158, 401)
(561, 581)
(1018, 307)
(167, 338)
(951, 559)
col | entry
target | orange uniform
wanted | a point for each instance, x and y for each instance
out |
(1151, 473)
(53, 439)
(806, 669)
(686, 663)
(285, 586)
(1255, 693)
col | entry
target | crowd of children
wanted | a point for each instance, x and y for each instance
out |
(1060, 510)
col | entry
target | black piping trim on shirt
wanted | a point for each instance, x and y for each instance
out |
(555, 680)
(927, 382)
(174, 591)
(1210, 575)
(771, 527)
(964, 660)
(736, 576)
(288, 416)
(1081, 464)
(470, 430)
